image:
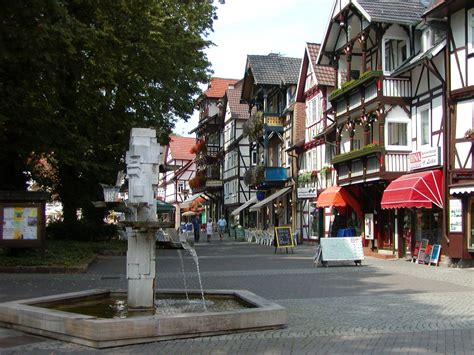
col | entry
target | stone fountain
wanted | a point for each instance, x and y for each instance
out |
(78, 317)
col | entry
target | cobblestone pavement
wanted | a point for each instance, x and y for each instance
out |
(384, 306)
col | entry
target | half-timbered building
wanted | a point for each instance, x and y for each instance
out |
(236, 159)
(457, 18)
(269, 85)
(315, 169)
(389, 114)
(209, 146)
(178, 169)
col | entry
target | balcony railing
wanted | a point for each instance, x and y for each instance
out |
(273, 121)
(369, 161)
(264, 177)
(369, 86)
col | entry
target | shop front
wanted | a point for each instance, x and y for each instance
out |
(346, 211)
(310, 217)
(415, 205)
(461, 223)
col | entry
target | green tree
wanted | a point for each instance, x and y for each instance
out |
(76, 75)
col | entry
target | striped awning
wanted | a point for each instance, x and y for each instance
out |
(244, 206)
(415, 190)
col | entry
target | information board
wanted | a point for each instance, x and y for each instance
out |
(284, 237)
(20, 223)
(340, 249)
(239, 233)
(435, 252)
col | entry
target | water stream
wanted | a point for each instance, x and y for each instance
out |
(193, 253)
(184, 274)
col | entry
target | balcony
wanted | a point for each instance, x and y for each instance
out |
(261, 178)
(369, 163)
(273, 122)
(371, 86)
(208, 154)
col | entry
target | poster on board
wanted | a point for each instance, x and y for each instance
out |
(455, 215)
(435, 253)
(369, 226)
(20, 223)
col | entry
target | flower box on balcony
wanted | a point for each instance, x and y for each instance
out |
(367, 150)
(349, 85)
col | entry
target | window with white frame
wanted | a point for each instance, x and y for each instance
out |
(424, 126)
(315, 159)
(397, 134)
(312, 111)
(303, 161)
(470, 30)
(181, 186)
(309, 158)
(394, 53)
(330, 152)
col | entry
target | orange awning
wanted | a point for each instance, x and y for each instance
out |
(337, 196)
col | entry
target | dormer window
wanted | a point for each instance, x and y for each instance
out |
(394, 53)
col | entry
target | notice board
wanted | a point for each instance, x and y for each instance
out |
(284, 237)
(22, 219)
(340, 249)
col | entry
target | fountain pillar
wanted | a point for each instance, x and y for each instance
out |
(142, 171)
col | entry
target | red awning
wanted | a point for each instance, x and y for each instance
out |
(337, 196)
(415, 190)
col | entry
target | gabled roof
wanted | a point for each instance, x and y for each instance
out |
(237, 109)
(325, 74)
(394, 11)
(403, 12)
(273, 69)
(180, 147)
(217, 87)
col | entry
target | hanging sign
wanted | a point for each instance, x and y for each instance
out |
(307, 192)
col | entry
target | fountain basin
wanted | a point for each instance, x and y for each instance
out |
(30, 315)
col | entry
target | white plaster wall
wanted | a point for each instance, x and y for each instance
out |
(464, 121)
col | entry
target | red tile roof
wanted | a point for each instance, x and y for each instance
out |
(180, 147)
(217, 87)
(325, 74)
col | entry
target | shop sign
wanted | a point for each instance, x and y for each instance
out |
(307, 192)
(424, 159)
(455, 215)
(213, 183)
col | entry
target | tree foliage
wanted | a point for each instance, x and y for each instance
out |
(76, 75)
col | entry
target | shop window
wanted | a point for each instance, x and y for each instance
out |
(470, 216)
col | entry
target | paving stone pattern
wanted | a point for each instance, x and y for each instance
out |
(383, 306)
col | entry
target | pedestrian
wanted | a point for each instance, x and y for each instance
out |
(196, 225)
(209, 230)
(221, 223)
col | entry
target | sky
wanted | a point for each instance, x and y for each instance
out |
(260, 27)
